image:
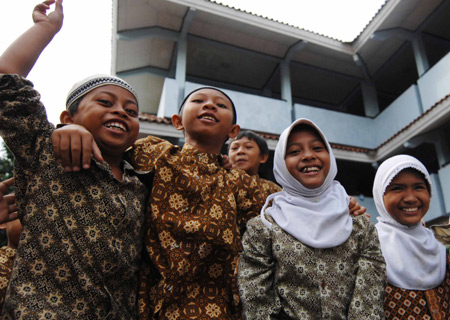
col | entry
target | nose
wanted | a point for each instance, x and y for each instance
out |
(119, 109)
(409, 196)
(209, 105)
(240, 150)
(308, 154)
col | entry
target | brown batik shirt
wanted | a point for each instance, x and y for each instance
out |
(403, 304)
(7, 256)
(80, 246)
(198, 211)
(268, 187)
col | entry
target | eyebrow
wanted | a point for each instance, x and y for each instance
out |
(115, 96)
(298, 143)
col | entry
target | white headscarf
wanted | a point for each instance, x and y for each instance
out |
(317, 217)
(415, 260)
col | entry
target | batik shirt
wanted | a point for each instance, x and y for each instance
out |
(198, 210)
(268, 187)
(7, 256)
(282, 278)
(80, 246)
(403, 304)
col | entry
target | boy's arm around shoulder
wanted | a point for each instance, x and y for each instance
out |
(250, 196)
(22, 54)
(146, 152)
(368, 296)
(256, 272)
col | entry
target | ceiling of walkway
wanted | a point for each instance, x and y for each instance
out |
(240, 51)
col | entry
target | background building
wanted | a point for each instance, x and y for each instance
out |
(385, 93)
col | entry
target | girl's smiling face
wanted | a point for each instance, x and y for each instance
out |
(407, 198)
(307, 158)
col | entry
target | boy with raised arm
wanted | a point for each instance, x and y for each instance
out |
(80, 248)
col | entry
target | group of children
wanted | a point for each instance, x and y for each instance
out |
(161, 232)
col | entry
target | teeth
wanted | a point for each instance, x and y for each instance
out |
(116, 125)
(310, 169)
(410, 209)
(208, 118)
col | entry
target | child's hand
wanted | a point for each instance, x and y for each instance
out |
(74, 145)
(355, 208)
(225, 162)
(8, 208)
(53, 19)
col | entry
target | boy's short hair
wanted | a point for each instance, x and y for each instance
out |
(83, 87)
(260, 141)
(180, 109)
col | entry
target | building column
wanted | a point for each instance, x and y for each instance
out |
(420, 55)
(180, 72)
(286, 89)
(368, 89)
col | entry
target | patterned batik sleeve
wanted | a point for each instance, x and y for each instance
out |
(22, 117)
(256, 273)
(250, 199)
(368, 296)
(146, 152)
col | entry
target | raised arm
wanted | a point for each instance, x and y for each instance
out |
(23, 53)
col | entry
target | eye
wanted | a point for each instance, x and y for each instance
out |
(318, 147)
(421, 187)
(132, 112)
(293, 152)
(222, 106)
(197, 100)
(394, 188)
(105, 102)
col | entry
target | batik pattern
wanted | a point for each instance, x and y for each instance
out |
(402, 304)
(79, 251)
(268, 187)
(7, 256)
(198, 211)
(282, 278)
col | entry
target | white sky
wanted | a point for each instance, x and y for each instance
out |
(339, 19)
(83, 46)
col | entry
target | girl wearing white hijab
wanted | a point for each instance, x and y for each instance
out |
(418, 279)
(305, 257)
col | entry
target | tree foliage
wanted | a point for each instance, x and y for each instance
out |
(6, 163)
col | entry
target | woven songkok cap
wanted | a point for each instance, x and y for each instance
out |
(90, 83)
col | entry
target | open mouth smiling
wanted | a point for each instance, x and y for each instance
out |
(208, 117)
(310, 170)
(116, 125)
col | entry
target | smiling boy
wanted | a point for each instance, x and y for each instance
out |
(80, 247)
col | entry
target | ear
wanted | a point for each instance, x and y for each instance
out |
(263, 159)
(234, 131)
(65, 117)
(176, 122)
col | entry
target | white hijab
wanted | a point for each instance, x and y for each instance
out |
(317, 217)
(415, 260)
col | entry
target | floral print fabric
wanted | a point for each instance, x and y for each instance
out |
(281, 278)
(198, 211)
(432, 304)
(80, 247)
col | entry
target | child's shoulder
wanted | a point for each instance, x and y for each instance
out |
(362, 222)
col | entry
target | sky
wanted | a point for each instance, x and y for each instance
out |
(339, 19)
(83, 46)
